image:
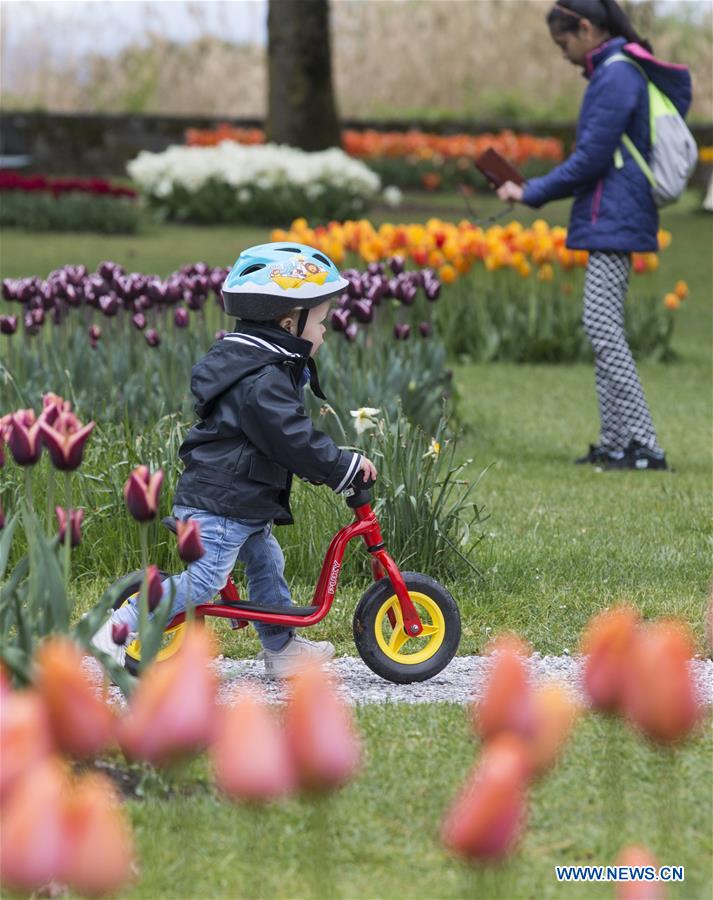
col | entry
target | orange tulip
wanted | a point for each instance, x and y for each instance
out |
(660, 695)
(607, 643)
(640, 856)
(98, 855)
(250, 754)
(320, 731)
(681, 290)
(82, 722)
(507, 704)
(25, 736)
(172, 711)
(555, 716)
(488, 815)
(31, 828)
(447, 274)
(671, 301)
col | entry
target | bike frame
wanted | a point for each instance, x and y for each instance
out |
(365, 525)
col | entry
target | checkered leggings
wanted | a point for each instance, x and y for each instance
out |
(623, 410)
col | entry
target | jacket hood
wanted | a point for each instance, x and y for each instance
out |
(672, 79)
(239, 354)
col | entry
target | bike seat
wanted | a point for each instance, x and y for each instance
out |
(297, 611)
(170, 523)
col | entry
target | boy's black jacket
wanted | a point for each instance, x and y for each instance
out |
(253, 432)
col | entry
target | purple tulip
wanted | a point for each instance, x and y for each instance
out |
(190, 546)
(106, 270)
(363, 311)
(201, 268)
(38, 316)
(141, 492)
(216, 280)
(377, 289)
(95, 333)
(139, 321)
(9, 289)
(98, 286)
(8, 324)
(154, 289)
(75, 524)
(30, 327)
(194, 301)
(181, 317)
(432, 290)
(65, 439)
(24, 437)
(344, 301)
(396, 264)
(425, 329)
(375, 268)
(152, 337)
(402, 331)
(173, 290)
(220, 334)
(395, 288)
(355, 286)
(339, 319)
(109, 304)
(155, 590)
(408, 293)
(119, 633)
(351, 332)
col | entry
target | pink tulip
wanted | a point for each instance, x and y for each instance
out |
(607, 642)
(659, 694)
(25, 736)
(250, 755)
(99, 852)
(190, 547)
(32, 843)
(141, 493)
(75, 519)
(52, 406)
(487, 817)
(639, 856)
(24, 438)
(320, 731)
(507, 704)
(65, 440)
(82, 722)
(172, 711)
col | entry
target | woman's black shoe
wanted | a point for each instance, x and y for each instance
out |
(597, 456)
(636, 456)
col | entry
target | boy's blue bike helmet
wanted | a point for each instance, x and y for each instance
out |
(270, 280)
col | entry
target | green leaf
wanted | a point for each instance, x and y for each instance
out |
(18, 662)
(6, 543)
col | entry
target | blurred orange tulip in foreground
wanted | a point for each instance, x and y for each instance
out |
(82, 723)
(32, 828)
(25, 737)
(172, 712)
(607, 642)
(555, 716)
(507, 704)
(638, 890)
(487, 817)
(660, 695)
(250, 753)
(97, 838)
(320, 731)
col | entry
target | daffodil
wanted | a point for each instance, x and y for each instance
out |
(364, 418)
(433, 451)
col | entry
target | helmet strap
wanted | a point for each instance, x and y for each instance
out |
(302, 321)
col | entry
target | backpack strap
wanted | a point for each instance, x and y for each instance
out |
(625, 139)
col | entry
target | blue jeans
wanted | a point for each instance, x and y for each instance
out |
(226, 540)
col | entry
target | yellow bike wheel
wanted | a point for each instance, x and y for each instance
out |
(386, 647)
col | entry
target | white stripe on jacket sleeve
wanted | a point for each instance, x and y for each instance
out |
(351, 472)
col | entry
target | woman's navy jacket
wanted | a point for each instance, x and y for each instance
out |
(613, 207)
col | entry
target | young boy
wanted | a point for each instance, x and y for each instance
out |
(252, 435)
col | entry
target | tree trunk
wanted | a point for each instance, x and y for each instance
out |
(301, 107)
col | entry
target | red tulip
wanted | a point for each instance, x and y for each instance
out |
(172, 711)
(98, 854)
(508, 701)
(155, 587)
(25, 736)
(31, 828)
(555, 714)
(141, 493)
(320, 731)
(488, 816)
(190, 547)
(638, 856)
(659, 694)
(607, 643)
(119, 633)
(24, 438)
(75, 524)
(250, 754)
(82, 722)
(65, 440)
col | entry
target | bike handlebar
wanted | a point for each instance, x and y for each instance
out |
(358, 492)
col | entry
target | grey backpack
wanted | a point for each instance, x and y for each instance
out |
(674, 152)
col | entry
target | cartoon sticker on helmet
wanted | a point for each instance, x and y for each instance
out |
(295, 271)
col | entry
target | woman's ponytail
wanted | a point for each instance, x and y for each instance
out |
(605, 14)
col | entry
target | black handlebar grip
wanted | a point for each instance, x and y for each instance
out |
(357, 494)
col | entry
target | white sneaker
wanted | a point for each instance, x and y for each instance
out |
(103, 641)
(297, 652)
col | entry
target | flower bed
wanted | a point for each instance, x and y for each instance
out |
(261, 185)
(39, 203)
(417, 159)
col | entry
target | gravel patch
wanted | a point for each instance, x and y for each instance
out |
(462, 681)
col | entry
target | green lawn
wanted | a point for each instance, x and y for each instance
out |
(560, 543)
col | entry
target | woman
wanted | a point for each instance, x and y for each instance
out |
(613, 213)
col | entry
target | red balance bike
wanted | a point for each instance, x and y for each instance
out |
(406, 625)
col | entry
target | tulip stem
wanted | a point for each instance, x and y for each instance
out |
(668, 812)
(28, 486)
(67, 530)
(320, 849)
(613, 807)
(50, 496)
(144, 596)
